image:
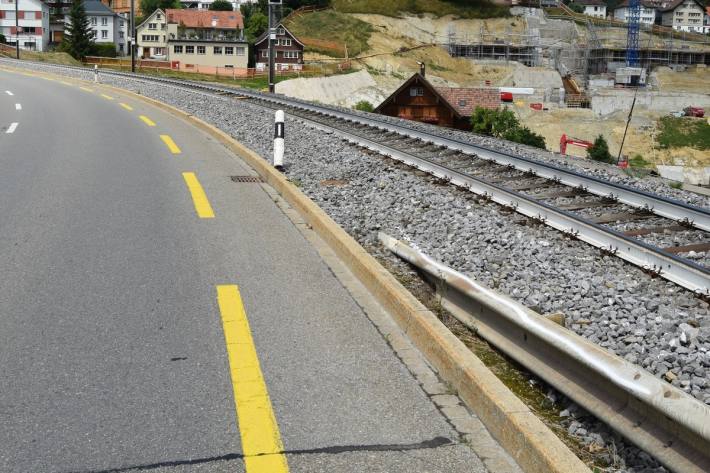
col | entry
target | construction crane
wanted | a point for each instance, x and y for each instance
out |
(632, 36)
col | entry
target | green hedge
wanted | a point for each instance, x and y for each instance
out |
(103, 50)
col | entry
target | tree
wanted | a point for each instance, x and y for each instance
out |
(502, 123)
(364, 106)
(221, 5)
(599, 151)
(2, 38)
(524, 135)
(256, 25)
(149, 6)
(78, 37)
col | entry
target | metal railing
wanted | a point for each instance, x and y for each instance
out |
(658, 417)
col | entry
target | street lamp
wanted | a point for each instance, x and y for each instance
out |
(17, 29)
(272, 37)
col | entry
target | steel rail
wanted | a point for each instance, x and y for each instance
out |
(669, 266)
(661, 419)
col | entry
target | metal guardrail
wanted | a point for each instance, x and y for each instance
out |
(658, 417)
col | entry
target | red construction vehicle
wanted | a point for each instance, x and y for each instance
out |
(697, 112)
(567, 140)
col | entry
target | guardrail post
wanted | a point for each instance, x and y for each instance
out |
(279, 147)
(96, 73)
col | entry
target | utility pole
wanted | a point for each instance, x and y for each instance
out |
(272, 53)
(17, 29)
(132, 35)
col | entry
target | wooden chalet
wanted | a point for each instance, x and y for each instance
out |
(418, 100)
(288, 49)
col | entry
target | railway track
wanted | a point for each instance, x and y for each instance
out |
(665, 237)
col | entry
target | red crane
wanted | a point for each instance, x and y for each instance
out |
(567, 140)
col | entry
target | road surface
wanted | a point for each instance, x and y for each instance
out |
(157, 316)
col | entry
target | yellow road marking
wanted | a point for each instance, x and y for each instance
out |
(126, 106)
(64, 82)
(107, 97)
(86, 89)
(199, 198)
(147, 120)
(261, 440)
(47, 78)
(170, 144)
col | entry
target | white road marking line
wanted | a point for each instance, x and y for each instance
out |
(18, 106)
(9, 93)
(12, 128)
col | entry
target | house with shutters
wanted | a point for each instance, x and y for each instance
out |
(206, 38)
(595, 8)
(288, 51)
(108, 27)
(152, 36)
(417, 99)
(33, 20)
(648, 12)
(684, 15)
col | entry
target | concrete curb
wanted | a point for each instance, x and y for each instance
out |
(526, 438)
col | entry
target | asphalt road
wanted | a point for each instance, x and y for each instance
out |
(112, 339)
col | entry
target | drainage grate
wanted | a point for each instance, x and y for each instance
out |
(247, 179)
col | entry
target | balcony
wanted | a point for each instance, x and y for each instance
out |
(208, 35)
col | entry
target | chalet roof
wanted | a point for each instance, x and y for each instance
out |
(461, 99)
(226, 20)
(261, 38)
(653, 4)
(94, 7)
(675, 3)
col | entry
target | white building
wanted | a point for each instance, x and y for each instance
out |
(205, 4)
(684, 15)
(33, 20)
(648, 12)
(107, 26)
(595, 8)
(151, 37)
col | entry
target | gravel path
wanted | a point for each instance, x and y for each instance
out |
(647, 321)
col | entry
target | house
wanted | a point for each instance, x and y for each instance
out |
(706, 23)
(206, 38)
(151, 36)
(595, 8)
(123, 7)
(288, 50)
(418, 100)
(33, 20)
(205, 4)
(108, 27)
(684, 15)
(648, 12)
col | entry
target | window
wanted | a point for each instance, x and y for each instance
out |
(217, 50)
(158, 16)
(285, 42)
(159, 51)
(416, 92)
(152, 26)
(104, 21)
(280, 31)
(93, 21)
(241, 50)
(121, 23)
(177, 49)
(229, 66)
(120, 34)
(264, 53)
(462, 103)
(201, 50)
(229, 50)
(291, 54)
(150, 38)
(104, 34)
(189, 50)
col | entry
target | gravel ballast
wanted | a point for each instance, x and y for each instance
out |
(647, 321)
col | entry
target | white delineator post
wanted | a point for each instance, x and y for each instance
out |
(279, 140)
(96, 72)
